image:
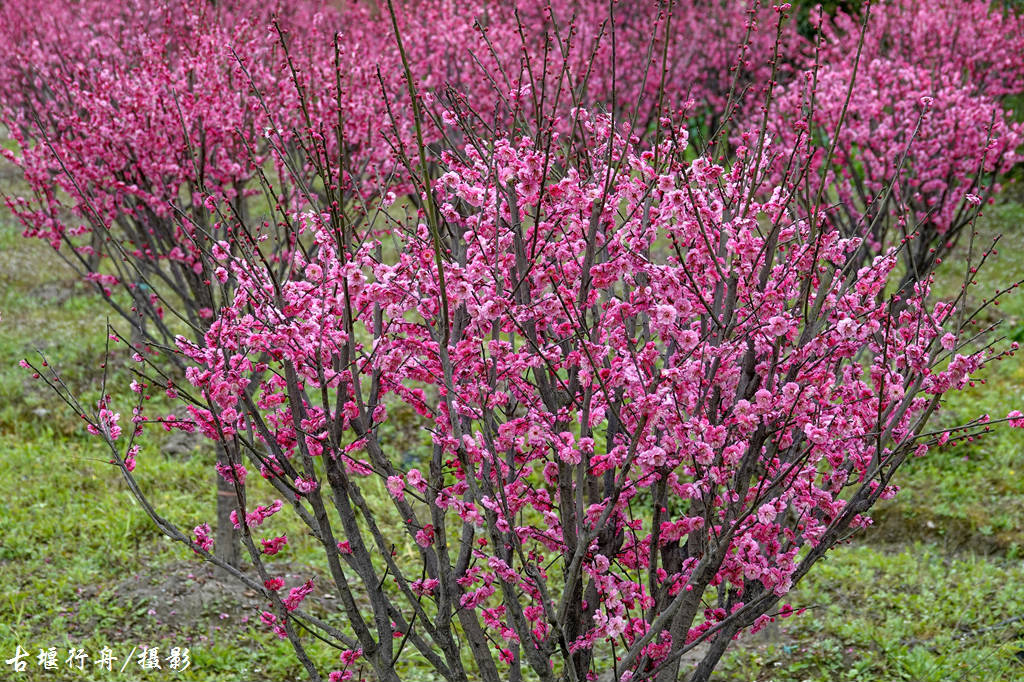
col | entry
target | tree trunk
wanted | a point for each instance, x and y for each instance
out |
(227, 546)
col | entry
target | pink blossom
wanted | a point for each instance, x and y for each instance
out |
(297, 594)
(425, 536)
(129, 457)
(425, 586)
(305, 486)
(350, 656)
(777, 325)
(274, 545)
(416, 480)
(257, 516)
(202, 536)
(396, 486)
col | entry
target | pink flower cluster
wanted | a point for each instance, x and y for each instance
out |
(257, 516)
(202, 536)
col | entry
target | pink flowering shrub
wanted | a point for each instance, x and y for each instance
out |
(125, 133)
(901, 123)
(131, 126)
(138, 130)
(915, 153)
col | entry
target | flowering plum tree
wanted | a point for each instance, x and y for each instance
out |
(126, 129)
(977, 42)
(901, 126)
(915, 154)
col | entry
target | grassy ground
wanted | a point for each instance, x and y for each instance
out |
(930, 594)
(884, 612)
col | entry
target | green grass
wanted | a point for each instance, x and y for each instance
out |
(888, 613)
(70, 529)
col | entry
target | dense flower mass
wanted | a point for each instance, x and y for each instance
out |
(977, 42)
(635, 370)
(575, 333)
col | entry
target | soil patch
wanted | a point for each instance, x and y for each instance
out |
(192, 596)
